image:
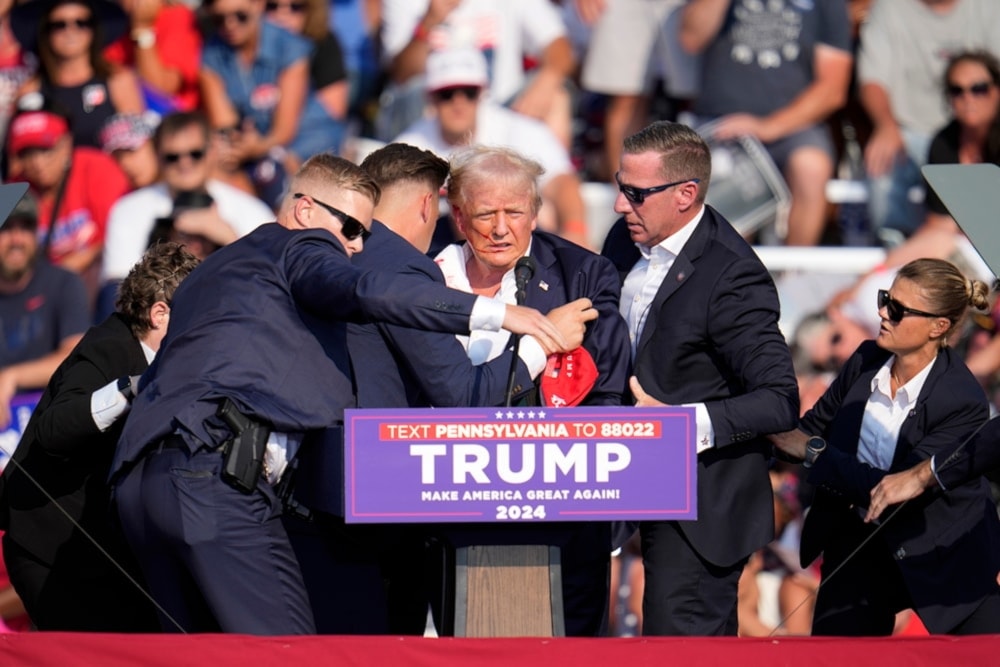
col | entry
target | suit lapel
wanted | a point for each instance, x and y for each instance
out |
(680, 273)
(912, 429)
(545, 289)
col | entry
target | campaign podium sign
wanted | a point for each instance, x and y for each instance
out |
(519, 464)
(516, 465)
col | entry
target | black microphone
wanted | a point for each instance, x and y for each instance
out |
(523, 271)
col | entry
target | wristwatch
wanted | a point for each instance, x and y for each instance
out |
(125, 388)
(144, 38)
(814, 447)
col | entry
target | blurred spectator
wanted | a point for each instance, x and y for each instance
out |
(43, 309)
(455, 82)
(506, 31)
(67, 36)
(16, 65)
(254, 82)
(624, 69)
(356, 24)
(323, 122)
(128, 139)
(905, 46)
(66, 581)
(186, 158)
(164, 49)
(775, 71)
(75, 188)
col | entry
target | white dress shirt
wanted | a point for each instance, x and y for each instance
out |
(638, 292)
(884, 415)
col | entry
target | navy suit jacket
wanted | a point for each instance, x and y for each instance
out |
(65, 452)
(944, 543)
(712, 337)
(263, 321)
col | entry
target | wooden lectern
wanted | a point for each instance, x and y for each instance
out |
(508, 591)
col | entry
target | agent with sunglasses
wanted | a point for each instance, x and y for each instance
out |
(187, 157)
(901, 399)
(702, 313)
(262, 323)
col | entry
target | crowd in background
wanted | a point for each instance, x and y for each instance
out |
(150, 120)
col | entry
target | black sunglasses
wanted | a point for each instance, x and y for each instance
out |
(637, 196)
(240, 16)
(296, 7)
(173, 158)
(897, 311)
(79, 24)
(350, 226)
(978, 89)
(470, 93)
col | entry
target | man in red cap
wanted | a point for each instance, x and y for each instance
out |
(74, 187)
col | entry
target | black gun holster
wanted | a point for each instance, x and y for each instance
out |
(243, 453)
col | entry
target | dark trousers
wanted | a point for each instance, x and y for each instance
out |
(215, 559)
(685, 594)
(86, 594)
(868, 589)
(361, 579)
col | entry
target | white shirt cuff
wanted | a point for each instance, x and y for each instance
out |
(487, 314)
(531, 353)
(934, 472)
(706, 433)
(106, 405)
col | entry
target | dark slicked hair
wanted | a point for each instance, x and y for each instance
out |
(154, 278)
(403, 163)
(180, 120)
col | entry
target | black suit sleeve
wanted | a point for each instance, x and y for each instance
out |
(963, 462)
(67, 423)
(742, 322)
(322, 279)
(607, 337)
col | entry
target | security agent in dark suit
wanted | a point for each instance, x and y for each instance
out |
(394, 366)
(702, 313)
(65, 582)
(494, 198)
(257, 349)
(900, 399)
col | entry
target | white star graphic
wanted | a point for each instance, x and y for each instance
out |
(499, 415)
(520, 414)
(510, 415)
(531, 414)
(541, 414)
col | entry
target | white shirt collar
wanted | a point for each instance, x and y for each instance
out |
(674, 243)
(909, 392)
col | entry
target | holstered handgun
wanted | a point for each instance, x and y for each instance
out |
(244, 452)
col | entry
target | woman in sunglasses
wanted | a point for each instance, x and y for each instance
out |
(899, 400)
(321, 128)
(68, 36)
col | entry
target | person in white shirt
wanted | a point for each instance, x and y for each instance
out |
(186, 157)
(463, 117)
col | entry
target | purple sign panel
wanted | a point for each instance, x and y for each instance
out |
(519, 464)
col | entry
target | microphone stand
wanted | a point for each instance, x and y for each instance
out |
(519, 298)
